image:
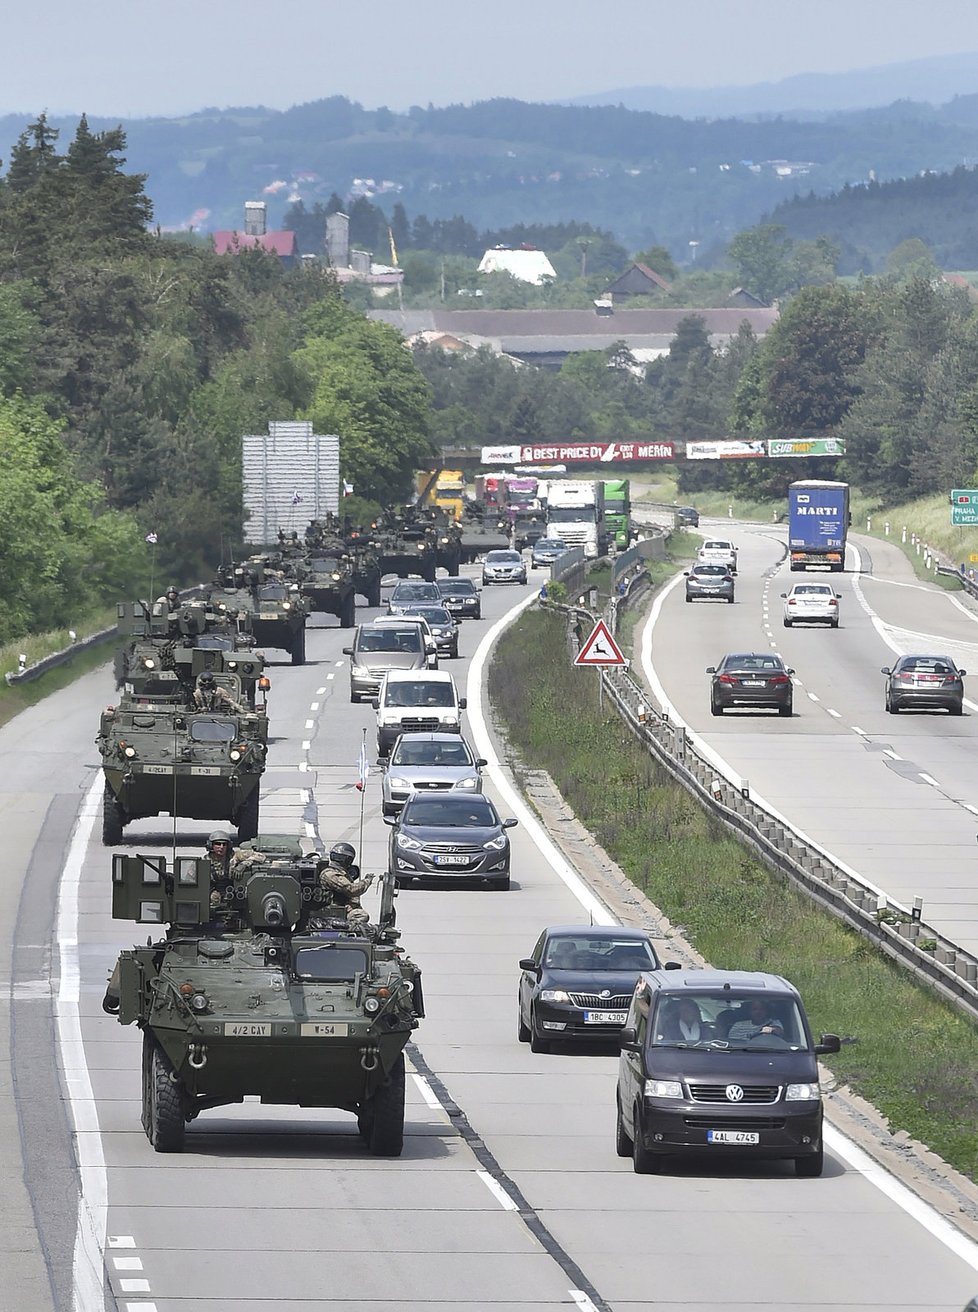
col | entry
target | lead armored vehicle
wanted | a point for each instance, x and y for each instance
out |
(276, 996)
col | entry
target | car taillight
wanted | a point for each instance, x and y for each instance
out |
(791, 601)
(726, 678)
(834, 602)
(779, 678)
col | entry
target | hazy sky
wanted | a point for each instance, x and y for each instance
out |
(138, 57)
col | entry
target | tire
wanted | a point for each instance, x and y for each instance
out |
(500, 883)
(688, 597)
(786, 710)
(454, 652)
(833, 624)
(164, 1100)
(299, 647)
(810, 1167)
(730, 601)
(247, 820)
(643, 1162)
(892, 707)
(365, 1121)
(429, 572)
(537, 1041)
(522, 1029)
(348, 610)
(623, 1142)
(386, 1110)
(957, 709)
(788, 623)
(113, 819)
(715, 708)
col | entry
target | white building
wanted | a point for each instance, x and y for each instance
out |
(526, 266)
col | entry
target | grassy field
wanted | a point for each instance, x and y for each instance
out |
(909, 1053)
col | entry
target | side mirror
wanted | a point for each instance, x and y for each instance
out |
(347, 651)
(685, 573)
(375, 704)
(962, 673)
(673, 965)
(527, 963)
(481, 760)
(784, 594)
(789, 671)
(838, 597)
(628, 1039)
(462, 703)
(510, 822)
(390, 819)
(711, 669)
(828, 1043)
(884, 669)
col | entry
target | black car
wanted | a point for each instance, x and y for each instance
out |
(751, 679)
(925, 682)
(441, 622)
(718, 1063)
(579, 982)
(450, 837)
(714, 582)
(687, 516)
(461, 597)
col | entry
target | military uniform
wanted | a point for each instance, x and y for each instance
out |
(217, 699)
(344, 888)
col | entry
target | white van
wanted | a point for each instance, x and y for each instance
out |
(416, 701)
(718, 551)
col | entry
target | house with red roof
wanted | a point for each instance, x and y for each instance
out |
(231, 241)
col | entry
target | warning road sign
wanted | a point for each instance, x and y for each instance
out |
(600, 648)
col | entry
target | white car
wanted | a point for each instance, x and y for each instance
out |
(816, 603)
(718, 551)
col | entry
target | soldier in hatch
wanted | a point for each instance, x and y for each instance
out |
(209, 697)
(170, 601)
(341, 877)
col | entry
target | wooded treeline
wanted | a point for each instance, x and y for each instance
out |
(130, 365)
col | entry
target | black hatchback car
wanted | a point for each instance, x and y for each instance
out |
(578, 982)
(751, 679)
(461, 597)
(718, 1063)
(926, 683)
(714, 582)
(450, 837)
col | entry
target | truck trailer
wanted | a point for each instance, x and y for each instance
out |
(818, 520)
(618, 512)
(575, 514)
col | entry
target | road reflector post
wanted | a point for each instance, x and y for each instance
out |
(745, 789)
(917, 908)
(716, 790)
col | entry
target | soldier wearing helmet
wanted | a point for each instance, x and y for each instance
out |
(208, 696)
(341, 877)
(219, 851)
(170, 600)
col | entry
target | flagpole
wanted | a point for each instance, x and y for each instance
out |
(363, 789)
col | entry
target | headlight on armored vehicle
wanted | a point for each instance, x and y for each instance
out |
(554, 995)
(286, 605)
(235, 754)
(334, 576)
(199, 1002)
(149, 663)
(371, 1004)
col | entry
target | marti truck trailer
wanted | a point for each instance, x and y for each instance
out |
(618, 512)
(575, 514)
(818, 519)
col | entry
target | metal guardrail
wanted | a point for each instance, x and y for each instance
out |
(966, 577)
(56, 658)
(940, 963)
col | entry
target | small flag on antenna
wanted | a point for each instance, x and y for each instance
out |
(152, 539)
(347, 488)
(296, 497)
(363, 765)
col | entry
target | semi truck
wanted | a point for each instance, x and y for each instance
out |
(818, 520)
(575, 514)
(618, 512)
(444, 488)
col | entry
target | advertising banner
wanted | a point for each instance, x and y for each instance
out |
(580, 453)
(807, 446)
(501, 455)
(726, 450)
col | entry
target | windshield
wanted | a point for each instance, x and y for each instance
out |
(504, 558)
(415, 592)
(325, 565)
(551, 544)
(212, 731)
(420, 693)
(444, 813)
(412, 752)
(408, 640)
(327, 963)
(273, 592)
(455, 587)
(729, 1021)
(584, 952)
(208, 642)
(570, 514)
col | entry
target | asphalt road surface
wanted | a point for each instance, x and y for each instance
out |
(509, 1194)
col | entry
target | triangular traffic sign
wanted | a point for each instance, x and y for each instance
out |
(600, 648)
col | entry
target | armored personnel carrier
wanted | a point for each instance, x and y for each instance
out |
(448, 538)
(407, 545)
(265, 591)
(483, 529)
(277, 996)
(329, 586)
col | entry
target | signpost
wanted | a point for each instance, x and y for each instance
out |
(602, 651)
(964, 506)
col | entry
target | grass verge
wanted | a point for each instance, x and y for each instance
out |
(909, 1053)
(17, 697)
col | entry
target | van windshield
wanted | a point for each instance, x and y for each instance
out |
(732, 1021)
(419, 694)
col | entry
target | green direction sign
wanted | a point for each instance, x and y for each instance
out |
(964, 505)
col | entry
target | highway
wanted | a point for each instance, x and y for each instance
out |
(509, 1194)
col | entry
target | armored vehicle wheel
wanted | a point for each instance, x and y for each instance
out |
(348, 610)
(163, 1100)
(247, 821)
(386, 1112)
(299, 647)
(113, 819)
(373, 593)
(365, 1121)
(429, 571)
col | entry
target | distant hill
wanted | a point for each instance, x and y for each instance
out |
(933, 80)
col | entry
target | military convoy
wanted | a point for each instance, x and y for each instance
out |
(161, 751)
(277, 995)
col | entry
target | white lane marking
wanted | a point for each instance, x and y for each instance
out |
(894, 756)
(88, 1262)
(314, 706)
(814, 697)
(320, 691)
(310, 724)
(134, 1286)
(306, 744)
(310, 830)
(915, 1207)
(329, 676)
(498, 1192)
(581, 1300)
(837, 714)
(427, 1092)
(303, 765)
(140, 1307)
(856, 729)
(340, 664)
(128, 1263)
(929, 779)
(486, 748)
(122, 1241)
(968, 807)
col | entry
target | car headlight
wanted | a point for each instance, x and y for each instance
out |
(359, 671)
(408, 843)
(400, 784)
(663, 1089)
(554, 995)
(448, 717)
(496, 844)
(286, 605)
(803, 1092)
(390, 717)
(467, 783)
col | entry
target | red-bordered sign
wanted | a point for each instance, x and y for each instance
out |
(600, 648)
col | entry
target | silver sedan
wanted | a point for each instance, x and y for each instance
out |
(429, 762)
